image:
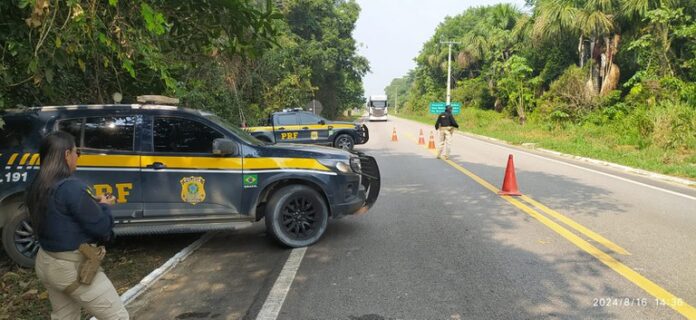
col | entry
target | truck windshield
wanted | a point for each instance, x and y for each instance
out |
(237, 131)
(379, 104)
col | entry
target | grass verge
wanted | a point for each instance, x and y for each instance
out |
(128, 260)
(595, 142)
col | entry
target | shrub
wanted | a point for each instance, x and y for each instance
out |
(568, 99)
(673, 126)
(473, 93)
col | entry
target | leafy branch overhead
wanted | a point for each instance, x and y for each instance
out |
(235, 57)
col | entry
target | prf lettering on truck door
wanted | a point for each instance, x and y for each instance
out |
(121, 194)
(288, 135)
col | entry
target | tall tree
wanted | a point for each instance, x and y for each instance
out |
(324, 30)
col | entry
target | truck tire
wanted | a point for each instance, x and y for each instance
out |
(296, 216)
(344, 141)
(18, 238)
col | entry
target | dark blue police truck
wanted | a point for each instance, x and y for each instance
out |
(178, 170)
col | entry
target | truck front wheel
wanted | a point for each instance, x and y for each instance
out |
(296, 216)
(19, 239)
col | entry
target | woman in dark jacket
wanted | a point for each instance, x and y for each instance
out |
(65, 214)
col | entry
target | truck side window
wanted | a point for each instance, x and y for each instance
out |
(109, 133)
(306, 118)
(183, 135)
(286, 120)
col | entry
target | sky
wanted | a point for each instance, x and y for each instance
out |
(391, 33)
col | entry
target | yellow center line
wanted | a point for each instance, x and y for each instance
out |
(558, 216)
(636, 278)
(580, 228)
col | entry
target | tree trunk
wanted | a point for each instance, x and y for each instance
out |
(498, 105)
(581, 51)
(610, 81)
(520, 108)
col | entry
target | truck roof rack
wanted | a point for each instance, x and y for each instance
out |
(155, 99)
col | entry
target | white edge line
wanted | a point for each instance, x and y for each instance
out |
(151, 278)
(274, 302)
(482, 138)
(592, 170)
(624, 168)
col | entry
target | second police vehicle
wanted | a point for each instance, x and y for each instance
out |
(297, 126)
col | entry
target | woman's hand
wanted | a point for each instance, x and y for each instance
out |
(106, 198)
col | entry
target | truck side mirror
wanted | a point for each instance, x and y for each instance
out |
(322, 122)
(225, 147)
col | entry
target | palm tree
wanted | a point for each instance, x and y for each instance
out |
(594, 23)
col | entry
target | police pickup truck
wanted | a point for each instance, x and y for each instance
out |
(179, 170)
(297, 126)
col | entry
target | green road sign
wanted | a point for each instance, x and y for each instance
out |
(439, 107)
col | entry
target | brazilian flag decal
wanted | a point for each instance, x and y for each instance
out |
(250, 180)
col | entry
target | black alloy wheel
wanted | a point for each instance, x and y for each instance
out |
(345, 142)
(296, 216)
(19, 240)
(299, 217)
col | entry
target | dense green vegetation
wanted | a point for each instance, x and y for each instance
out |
(238, 58)
(613, 79)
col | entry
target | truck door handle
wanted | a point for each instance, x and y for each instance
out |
(157, 165)
(281, 128)
(330, 127)
(305, 128)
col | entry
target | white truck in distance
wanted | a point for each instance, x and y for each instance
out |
(377, 107)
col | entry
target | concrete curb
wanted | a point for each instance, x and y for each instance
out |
(144, 284)
(653, 175)
(151, 278)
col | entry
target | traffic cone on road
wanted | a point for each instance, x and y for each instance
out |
(421, 138)
(431, 143)
(394, 137)
(510, 181)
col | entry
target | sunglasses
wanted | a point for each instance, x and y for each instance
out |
(77, 152)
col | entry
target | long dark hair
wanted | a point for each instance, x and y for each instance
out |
(53, 168)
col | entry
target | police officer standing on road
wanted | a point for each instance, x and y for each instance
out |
(65, 217)
(445, 124)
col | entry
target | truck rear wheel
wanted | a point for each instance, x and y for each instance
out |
(296, 216)
(19, 239)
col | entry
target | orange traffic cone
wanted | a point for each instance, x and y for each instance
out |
(394, 138)
(431, 143)
(421, 139)
(510, 182)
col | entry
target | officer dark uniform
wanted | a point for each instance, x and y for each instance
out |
(73, 218)
(445, 124)
(65, 216)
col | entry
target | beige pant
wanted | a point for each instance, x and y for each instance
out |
(445, 141)
(99, 298)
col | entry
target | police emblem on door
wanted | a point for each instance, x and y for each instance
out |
(193, 189)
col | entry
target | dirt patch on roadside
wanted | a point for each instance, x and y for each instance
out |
(128, 260)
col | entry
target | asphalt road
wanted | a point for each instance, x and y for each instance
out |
(584, 242)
